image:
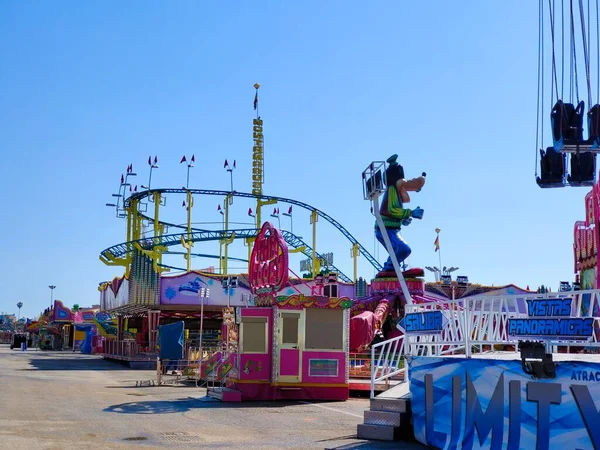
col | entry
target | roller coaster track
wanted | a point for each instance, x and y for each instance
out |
(328, 218)
(204, 255)
(168, 240)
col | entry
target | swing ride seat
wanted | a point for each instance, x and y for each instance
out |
(592, 144)
(552, 165)
(567, 125)
(583, 169)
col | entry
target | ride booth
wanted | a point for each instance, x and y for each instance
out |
(290, 347)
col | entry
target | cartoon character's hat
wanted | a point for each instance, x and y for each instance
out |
(394, 171)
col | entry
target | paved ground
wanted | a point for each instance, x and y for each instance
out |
(61, 400)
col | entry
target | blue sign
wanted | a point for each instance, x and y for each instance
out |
(429, 322)
(551, 319)
(483, 403)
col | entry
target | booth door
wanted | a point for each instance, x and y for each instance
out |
(291, 333)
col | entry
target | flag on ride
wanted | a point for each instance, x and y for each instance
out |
(183, 160)
(437, 243)
(256, 99)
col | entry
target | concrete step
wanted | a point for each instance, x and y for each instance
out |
(377, 432)
(400, 405)
(215, 393)
(383, 418)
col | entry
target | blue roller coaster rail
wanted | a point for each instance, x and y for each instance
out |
(167, 240)
(363, 251)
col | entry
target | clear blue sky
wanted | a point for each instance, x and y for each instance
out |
(89, 87)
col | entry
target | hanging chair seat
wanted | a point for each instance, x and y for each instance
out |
(567, 125)
(552, 168)
(583, 169)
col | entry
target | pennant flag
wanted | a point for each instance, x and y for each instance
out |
(130, 168)
(129, 188)
(225, 165)
(122, 179)
(290, 210)
(437, 243)
(135, 188)
(183, 160)
(234, 163)
(218, 207)
(274, 211)
(155, 160)
(183, 204)
(277, 210)
(256, 99)
(149, 160)
(193, 159)
(249, 211)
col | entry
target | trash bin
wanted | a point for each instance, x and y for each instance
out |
(23, 346)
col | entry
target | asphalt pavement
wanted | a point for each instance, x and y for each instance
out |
(65, 400)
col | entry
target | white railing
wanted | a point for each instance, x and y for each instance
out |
(451, 340)
(387, 361)
(477, 324)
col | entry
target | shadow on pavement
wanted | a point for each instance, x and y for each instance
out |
(184, 405)
(48, 363)
(152, 407)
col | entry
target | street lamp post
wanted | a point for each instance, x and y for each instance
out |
(230, 169)
(276, 215)
(153, 165)
(202, 293)
(189, 165)
(289, 214)
(52, 287)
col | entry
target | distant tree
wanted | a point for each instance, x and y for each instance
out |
(75, 307)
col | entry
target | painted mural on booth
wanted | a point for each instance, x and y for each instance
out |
(480, 403)
(184, 290)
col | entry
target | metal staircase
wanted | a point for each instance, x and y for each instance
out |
(388, 417)
(217, 380)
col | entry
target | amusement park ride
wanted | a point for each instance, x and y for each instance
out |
(566, 116)
(133, 208)
(372, 308)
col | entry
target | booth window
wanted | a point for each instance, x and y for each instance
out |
(290, 328)
(254, 334)
(324, 329)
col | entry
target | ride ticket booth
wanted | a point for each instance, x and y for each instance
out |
(290, 347)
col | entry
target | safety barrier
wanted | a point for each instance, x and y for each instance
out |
(386, 361)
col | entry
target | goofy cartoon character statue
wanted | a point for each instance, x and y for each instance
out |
(394, 214)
